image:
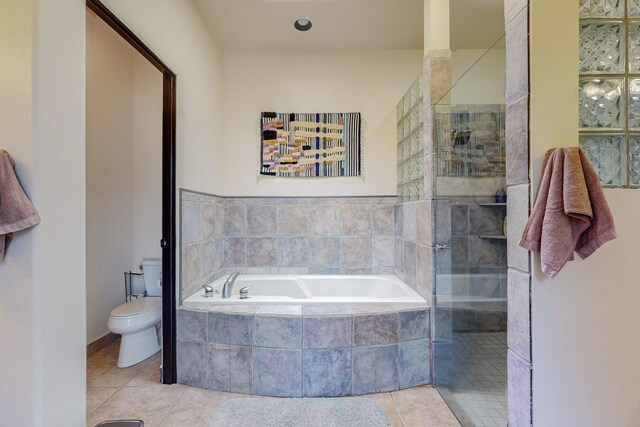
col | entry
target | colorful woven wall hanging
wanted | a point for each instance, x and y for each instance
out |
(309, 145)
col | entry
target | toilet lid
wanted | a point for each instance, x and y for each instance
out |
(137, 306)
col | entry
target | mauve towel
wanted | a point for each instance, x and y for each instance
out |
(570, 213)
(16, 210)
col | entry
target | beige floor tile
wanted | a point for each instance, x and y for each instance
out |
(109, 352)
(196, 407)
(422, 394)
(135, 392)
(423, 407)
(431, 415)
(96, 396)
(149, 374)
(150, 404)
(389, 406)
(110, 376)
(102, 370)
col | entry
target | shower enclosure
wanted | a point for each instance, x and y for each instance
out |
(470, 245)
(451, 181)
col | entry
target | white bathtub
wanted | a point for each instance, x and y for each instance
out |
(309, 289)
(484, 291)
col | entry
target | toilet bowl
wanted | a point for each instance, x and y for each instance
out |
(138, 321)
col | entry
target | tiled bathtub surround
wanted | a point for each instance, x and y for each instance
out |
(201, 241)
(318, 351)
(309, 235)
(269, 235)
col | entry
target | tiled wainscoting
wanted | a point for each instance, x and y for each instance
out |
(295, 351)
(278, 235)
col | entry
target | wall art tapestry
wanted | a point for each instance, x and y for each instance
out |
(310, 144)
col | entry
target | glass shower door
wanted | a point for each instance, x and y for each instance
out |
(469, 339)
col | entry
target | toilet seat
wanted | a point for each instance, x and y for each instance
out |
(137, 307)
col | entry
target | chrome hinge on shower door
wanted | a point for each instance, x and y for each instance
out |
(442, 247)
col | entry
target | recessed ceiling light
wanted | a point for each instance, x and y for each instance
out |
(302, 24)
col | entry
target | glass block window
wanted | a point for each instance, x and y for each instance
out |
(609, 89)
(411, 144)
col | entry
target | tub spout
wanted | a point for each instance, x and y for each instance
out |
(228, 285)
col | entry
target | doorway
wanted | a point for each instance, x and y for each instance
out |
(167, 240)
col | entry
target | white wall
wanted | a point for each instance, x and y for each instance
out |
(42, 279)
(369, 82)
(174, 30)
(109, 121)
(124, 168)
(17, 304)
(147, 160)
(483, 82)
(436, 24)
(585, 321)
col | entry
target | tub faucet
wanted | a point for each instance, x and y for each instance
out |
(228, 285)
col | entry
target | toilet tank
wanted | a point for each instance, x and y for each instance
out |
(152, 273)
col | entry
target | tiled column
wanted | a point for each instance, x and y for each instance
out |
(519, 360)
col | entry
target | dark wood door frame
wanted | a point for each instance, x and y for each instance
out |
(168, 241)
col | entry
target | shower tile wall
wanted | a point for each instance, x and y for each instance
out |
(469, 140)
(275, 235)
(471, 224)
(472, 228)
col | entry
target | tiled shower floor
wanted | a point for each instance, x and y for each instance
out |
(475, 388)
(136, 392)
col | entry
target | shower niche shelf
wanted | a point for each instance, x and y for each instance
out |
(492, 204)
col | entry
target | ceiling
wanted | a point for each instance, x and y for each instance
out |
(345, 24)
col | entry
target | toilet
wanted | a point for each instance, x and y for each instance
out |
(138, 321)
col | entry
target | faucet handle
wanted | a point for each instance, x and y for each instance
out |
(244, 292)
(208, 291)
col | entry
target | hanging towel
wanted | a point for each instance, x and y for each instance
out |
(16, 210)
(570, 213)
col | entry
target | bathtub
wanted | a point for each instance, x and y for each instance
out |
(312, 289)
(305, 336)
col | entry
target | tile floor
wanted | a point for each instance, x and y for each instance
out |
(477, 376)
(135, 392)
